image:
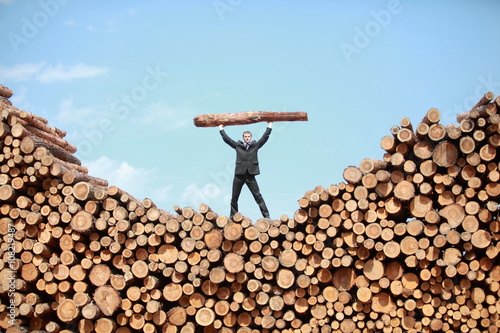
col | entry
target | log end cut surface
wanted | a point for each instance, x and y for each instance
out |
(107, 299)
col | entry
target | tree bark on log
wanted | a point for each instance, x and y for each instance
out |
(5, 92)
(245, 118)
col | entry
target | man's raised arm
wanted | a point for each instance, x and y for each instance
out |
(226, 138)
(266, 135)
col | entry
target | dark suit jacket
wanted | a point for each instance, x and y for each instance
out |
(246, 160)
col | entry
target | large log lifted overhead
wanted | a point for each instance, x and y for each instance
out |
(245, 118)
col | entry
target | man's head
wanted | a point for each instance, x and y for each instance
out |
(247, 137)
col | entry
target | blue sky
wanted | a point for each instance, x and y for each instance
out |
(126, 78)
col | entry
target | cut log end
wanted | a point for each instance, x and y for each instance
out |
(352, 175)
(82, 222)
(67, 311)
(107, 299)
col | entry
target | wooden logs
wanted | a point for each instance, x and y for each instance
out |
(352, 175)
(244, 118)
(408, 243)
(5, 92)
(107, 299)
(82, 221)
(67, 310)
(445, 154)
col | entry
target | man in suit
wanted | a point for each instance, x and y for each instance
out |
(247, 167)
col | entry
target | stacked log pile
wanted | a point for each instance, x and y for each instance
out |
(408, 243)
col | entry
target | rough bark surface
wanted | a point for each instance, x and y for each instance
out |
(245, 118)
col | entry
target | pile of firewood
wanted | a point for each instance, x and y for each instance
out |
(408, 243)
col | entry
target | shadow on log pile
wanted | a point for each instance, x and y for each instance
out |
(408, 243)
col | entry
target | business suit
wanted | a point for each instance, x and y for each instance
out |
(247, 167)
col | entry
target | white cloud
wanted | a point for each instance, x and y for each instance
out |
(6, 2)
(120, 174)
(128, 176)
(20, 100)
(65, 73)
(138, 182)
(21, 72)
(47, 74)
(150, 183)
(83, 117)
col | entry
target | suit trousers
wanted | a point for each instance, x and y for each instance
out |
(251, 182)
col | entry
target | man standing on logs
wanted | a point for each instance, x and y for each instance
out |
(247, 167)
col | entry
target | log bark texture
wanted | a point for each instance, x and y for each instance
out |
(5, 92)
(245, 118)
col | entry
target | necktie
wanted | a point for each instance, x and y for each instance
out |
(246, 146)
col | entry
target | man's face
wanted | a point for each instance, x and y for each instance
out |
(247, 137)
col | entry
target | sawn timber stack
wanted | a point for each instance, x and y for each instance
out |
(408, 243)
